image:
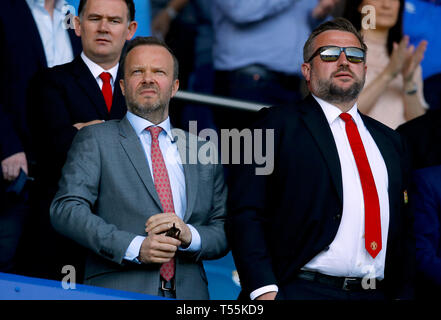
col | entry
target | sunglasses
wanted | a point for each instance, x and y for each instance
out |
(332, 53)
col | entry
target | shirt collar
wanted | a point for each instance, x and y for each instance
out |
(59, 4)
(97, 69)
(332, 112)
(140, 124)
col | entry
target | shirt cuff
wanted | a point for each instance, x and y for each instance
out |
(132, 251)
(195, 244)
(258, 292)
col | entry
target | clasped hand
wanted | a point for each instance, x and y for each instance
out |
(157, 247)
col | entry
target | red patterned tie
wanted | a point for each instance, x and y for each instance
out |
(107, 89)
(372, 222)
(162, 185)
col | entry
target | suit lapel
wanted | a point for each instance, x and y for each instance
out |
(90, 86)
(317, 124)
(185, 147)
(118, 103)
(133, 148)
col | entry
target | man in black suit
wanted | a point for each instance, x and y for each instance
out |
(28, 45)
(331, 221)
(75, 95)
(423, 136)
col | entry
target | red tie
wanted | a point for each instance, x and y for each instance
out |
(372, 222)
(107, 89)
(162, 185)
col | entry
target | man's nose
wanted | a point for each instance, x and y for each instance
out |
(103, 26)
(342, 59)
(148, 77)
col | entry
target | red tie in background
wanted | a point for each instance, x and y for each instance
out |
(107, 89)
(162, 185)
(372, 222)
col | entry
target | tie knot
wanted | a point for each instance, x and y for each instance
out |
(345, 116)
(105, 76)
(154, 131)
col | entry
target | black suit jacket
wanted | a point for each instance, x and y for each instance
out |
(21, 56)
(423, 137)
(279, 222)
(66, 94)
(59, 97)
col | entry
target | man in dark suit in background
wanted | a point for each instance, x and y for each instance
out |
(33, 36)
(330, 222)
(423, 136)
(426, 204)
(69, 97)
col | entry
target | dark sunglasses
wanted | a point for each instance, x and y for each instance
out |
(332, 53)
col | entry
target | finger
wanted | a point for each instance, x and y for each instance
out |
(24, 166)
(159, 243)
(163, 239)
(156, 256)
(12, 171)
(420, 50)
(163, 227)
(404, 41)
(159, 219)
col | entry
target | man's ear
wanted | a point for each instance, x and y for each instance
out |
(132, 29)
(175, 87)
(77, 24)
(122, 85)
(306, 71)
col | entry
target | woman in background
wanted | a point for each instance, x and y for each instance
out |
(393, 93)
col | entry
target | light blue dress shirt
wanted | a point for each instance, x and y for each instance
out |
(54, 37)
(175, 172)
(267, 32)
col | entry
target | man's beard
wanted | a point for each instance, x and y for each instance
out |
(329, 91)
(144, 110)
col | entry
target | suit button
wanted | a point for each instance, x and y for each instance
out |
(337, 217)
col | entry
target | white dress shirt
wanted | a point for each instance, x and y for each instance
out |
(347, 256)
(96, 70)
(54, 37)
(175, 171)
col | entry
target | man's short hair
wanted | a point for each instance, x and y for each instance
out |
(130, 6)
(148, 41)
(340, 24)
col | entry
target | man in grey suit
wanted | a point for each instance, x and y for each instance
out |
(125, 188)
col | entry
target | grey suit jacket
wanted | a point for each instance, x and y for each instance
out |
(106, 194)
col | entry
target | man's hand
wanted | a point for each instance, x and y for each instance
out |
(158, 248)
(11, 166)
(267, 296)
(162, 222)
(81, 125)
(413, 60)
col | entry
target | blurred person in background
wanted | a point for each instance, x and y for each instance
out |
(257, 51)
(393, 93)
(420, 17)
(34, 35)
